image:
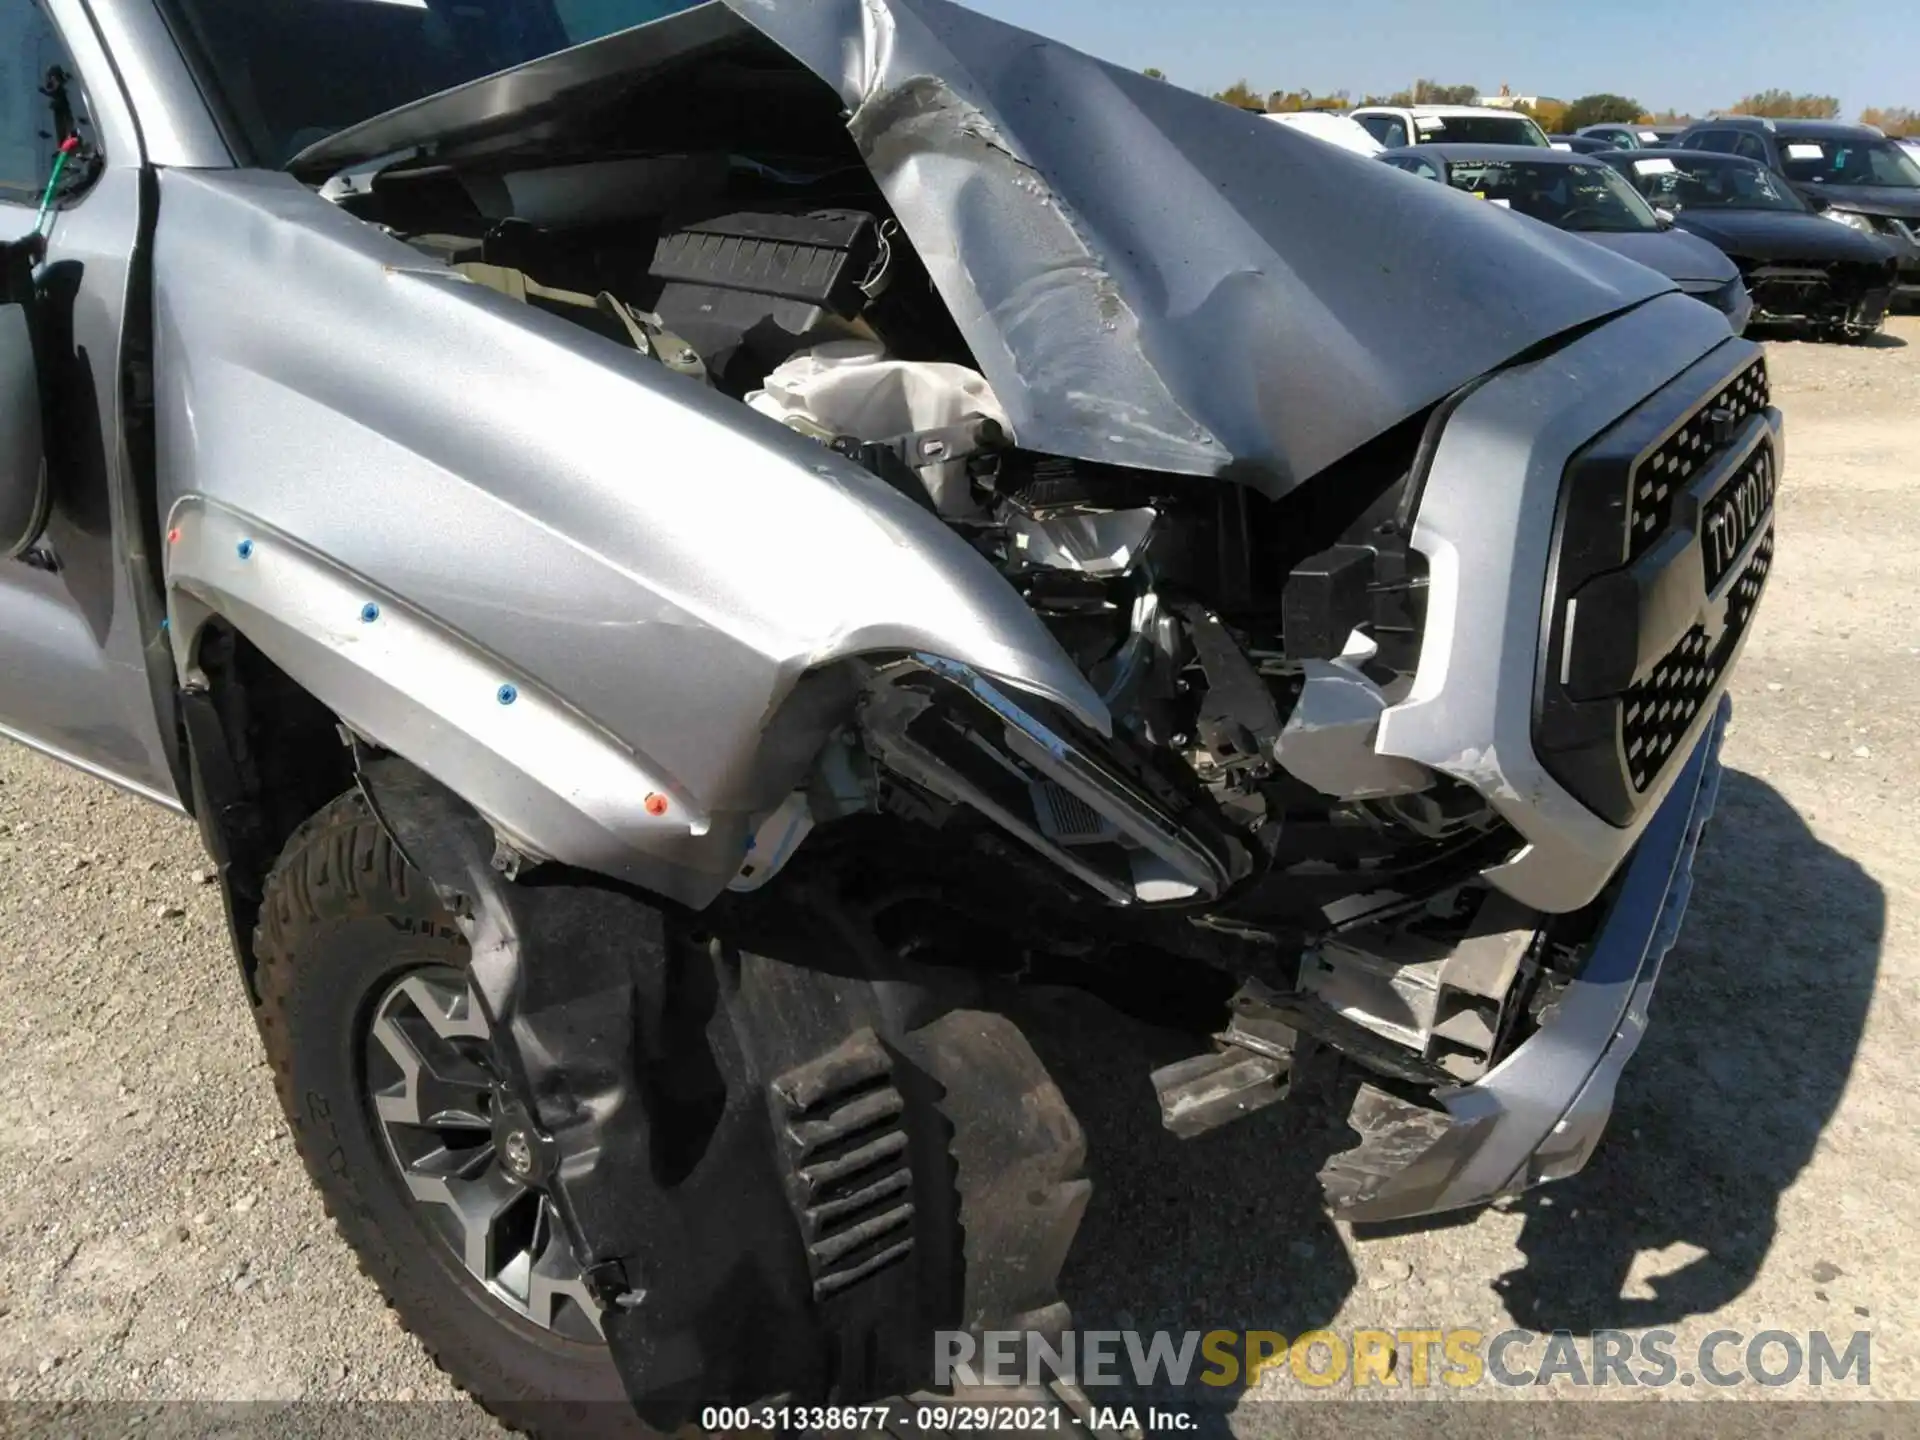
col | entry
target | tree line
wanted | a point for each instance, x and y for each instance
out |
(1560, 116)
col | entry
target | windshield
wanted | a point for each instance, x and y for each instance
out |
(1485, 130)
(1705, 184)
(1573, 197)
(1848, 162)
(292, 72)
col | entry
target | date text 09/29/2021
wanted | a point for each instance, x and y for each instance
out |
(1454, 1358)
(956, 1418)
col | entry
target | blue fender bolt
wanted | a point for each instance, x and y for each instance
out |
(246, 549)
(369, 612)
(508, 694)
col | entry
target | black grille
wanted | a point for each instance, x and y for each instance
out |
(1654, 514)
(1682, 454)
(1661, 708)
(1065, 817)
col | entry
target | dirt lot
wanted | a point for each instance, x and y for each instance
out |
(158, 1239)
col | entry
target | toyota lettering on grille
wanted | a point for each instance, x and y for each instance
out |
(1735, 514)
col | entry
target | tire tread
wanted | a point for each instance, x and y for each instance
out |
(338, 864)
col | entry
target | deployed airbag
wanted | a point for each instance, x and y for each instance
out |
(850, 387)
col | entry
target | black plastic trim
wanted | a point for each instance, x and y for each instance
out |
(1622, 570)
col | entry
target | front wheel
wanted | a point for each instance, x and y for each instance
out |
(382, 1060)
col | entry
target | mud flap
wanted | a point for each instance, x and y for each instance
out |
(783, 1160)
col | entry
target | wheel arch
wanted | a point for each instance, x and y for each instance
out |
(263, 755)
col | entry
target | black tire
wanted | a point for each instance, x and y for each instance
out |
(343, 917)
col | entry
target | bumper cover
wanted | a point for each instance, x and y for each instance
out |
(1539, 1115)
(1907, 252)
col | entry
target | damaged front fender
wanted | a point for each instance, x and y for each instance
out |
(417, 497)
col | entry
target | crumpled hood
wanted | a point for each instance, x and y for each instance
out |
(1151, 278)
(1146, 277)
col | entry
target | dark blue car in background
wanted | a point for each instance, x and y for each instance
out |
(1585, 195)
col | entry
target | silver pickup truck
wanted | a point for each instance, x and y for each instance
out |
(677, 554)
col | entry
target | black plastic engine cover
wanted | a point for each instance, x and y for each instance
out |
(763, 281)
(821, 257)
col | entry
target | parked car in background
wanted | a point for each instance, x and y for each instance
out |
(1911, 144)
(1397, 125)
(1798, 267)
(1616, 136)
(1579, 144)
(1588, 197)
(1852, 174)
(1334, 129)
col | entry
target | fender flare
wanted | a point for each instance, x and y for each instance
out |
(551, 781)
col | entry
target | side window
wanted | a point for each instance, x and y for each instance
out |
(1753, 148)
(1721, 142)
(1414, 166)
(39, 95)
(1389, 130)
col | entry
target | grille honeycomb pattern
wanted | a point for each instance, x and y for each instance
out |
(1668, 468)
(1656, 712)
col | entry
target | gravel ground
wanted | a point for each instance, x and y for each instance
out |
(158, 1239)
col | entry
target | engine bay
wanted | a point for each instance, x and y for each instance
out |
(1245, 645)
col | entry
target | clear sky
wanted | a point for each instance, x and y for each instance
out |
(1689, 55)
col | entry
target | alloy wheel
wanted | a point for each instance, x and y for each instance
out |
(431, 1087)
